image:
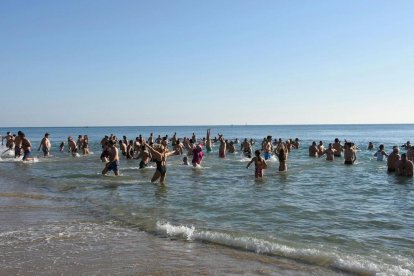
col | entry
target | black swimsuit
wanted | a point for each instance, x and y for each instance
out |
(162, 169)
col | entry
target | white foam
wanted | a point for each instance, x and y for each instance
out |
(354, 264)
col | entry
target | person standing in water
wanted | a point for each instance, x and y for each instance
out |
(330, 153)
(85, 145)
(380, 153)
(72, 148)
(208, 141)
(159, 156)
(45, 145)
(113, 157)
(197, 156)
(259, 163)
(18, 145)
(393, 159)
(282, 152)
(349, 154)
(404, 166)
(222, 148)
(246, 147)
(27, 148)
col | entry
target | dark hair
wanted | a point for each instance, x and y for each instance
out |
(257, 152)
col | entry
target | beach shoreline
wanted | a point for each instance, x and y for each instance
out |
(37, 238)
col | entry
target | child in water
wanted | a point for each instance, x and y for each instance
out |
(259, 163)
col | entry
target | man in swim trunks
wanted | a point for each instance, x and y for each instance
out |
(349, 154)
(404, 167)
(259, 163)
(393, 159)
(337, 147)
(267, 148)
(246, 147)
(113, 163)
(27, 148)
(45, 145)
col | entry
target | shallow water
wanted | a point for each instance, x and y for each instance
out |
(356, 219)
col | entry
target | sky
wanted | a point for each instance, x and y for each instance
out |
(106, 63)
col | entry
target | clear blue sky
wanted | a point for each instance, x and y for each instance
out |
(77, 63)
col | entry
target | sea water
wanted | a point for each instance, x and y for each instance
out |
(319, 215)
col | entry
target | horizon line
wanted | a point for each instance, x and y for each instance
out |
(212, 125)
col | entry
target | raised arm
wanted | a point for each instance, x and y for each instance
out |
(155, 153)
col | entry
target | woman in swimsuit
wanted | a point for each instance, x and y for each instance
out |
(85, 145)
(159, 156)
(259, 163)
(282, 152)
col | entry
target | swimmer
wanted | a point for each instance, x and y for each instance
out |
(404, 167)
(123, 147)
(349, 154)
(104, 142)
(296, 143)
(231, 148)
(85, 145)
(113, 157)
(18, 145)
(145, 157)
(337, 147)
(27, 147)
(410, 153)
(79, 142)
(321, 148)
(380, 153)
(62, 146)
(313, 150)
(222, 148)
(330, 153)
(370, 146)
(130, 150)
(267, 148)
(160, 156)
(259, 163)
(72, 148)
(45, 145)
(393, 159)
(282, 152)
(197, 156)
(246, 147)
(407, 145)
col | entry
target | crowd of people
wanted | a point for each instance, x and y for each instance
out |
(158, 150)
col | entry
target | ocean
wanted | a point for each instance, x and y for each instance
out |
(59, 214)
